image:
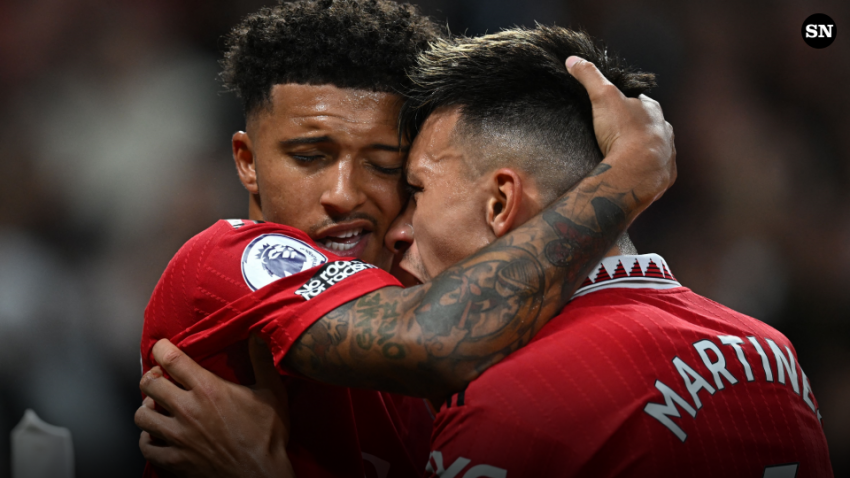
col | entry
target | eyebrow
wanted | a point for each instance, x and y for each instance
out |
(297, 141)
(328, 139)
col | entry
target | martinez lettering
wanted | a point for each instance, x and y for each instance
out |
(719, 377)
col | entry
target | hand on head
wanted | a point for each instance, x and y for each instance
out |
(214, 427)
(631, 132)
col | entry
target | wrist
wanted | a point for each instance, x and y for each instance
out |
(642, 170)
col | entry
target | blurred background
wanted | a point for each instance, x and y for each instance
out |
(115, 149)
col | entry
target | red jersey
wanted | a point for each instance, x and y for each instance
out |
(638, 377)
(241, 276)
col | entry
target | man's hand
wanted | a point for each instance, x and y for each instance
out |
(214, 427)
(631, 132)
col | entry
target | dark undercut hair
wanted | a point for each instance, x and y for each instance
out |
(518, 104)
(362, 44)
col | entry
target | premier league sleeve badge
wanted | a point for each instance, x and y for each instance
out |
(274, 256)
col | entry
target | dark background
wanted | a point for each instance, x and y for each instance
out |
(114, 150)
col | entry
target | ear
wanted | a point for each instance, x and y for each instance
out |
(504, 205)
(243, 156)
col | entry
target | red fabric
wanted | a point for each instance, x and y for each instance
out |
(203, 304)
(572, 403)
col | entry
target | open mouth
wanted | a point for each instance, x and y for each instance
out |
(347, 241)
(342, 242)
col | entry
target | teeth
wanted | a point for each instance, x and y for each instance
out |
(347, 234)
(331, 243)
(338, 246)
(351, 233)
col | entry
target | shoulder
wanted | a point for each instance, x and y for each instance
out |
(606, 342)
(225, 262)
(239, 233)
(254, 251)
(640, 312)
(234, 233)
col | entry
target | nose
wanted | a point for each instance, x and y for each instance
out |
(400, 235)
(344, 193)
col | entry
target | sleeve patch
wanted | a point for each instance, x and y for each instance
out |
(274, 256)
(330, 274)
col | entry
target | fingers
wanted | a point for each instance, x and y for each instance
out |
(160, 390)
(653, 109)
(178, 365)
(264, 369)
(598, 87)
(165, 457)
(155, 423)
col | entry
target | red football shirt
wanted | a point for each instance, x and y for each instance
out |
(241, 276)
(638, 377)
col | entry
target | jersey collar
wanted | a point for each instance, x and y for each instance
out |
(645, 271)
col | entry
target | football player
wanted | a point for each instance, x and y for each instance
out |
(321, 153)
(638, 376)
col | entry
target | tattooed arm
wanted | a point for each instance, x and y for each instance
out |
(431, 340)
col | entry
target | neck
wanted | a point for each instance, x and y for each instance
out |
(614, 251)
(254, 211)
(623, 246)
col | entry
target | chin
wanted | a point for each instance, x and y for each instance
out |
(406, 278)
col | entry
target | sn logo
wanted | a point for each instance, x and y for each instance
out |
(435, 465)
(819, 31)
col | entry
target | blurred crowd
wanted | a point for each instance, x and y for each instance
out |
(115, 149)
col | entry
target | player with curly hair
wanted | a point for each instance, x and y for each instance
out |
(318, 82)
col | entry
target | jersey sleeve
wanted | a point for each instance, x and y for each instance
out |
(195, 284)
(267, 279)
(330, 286)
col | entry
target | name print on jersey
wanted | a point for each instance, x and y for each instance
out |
(329, 274)
(714, 361)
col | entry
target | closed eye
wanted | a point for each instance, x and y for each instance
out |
(383, 170)
(305, 159)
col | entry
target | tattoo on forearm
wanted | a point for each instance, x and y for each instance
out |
(432, 339)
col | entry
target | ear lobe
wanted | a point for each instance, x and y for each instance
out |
(504, 205)
(243, 156)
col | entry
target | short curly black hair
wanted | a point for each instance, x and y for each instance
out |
(363, 44)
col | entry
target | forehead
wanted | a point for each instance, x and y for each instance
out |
(328, 107)
(435, 150)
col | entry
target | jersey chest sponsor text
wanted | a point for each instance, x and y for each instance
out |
(329, 274)
(714, 360)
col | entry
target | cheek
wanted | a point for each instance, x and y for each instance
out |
(287, 197)
(385, 203)
(445, 234)
(388, 196)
